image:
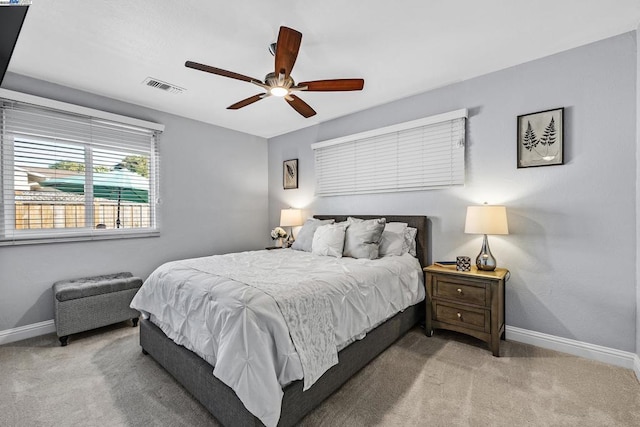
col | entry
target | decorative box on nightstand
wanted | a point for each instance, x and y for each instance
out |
(471, 302)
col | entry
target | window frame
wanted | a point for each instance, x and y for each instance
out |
(10, 236)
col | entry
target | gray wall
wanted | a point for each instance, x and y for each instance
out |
(213, 187)
(572, 243)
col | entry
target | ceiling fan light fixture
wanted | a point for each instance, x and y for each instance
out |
(279, 91)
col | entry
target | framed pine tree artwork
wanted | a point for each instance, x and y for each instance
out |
(541, 138)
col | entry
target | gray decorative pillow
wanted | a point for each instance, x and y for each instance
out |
(362, 238)
(392, 241)
(304, 240)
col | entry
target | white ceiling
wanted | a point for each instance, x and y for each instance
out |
(400, 48)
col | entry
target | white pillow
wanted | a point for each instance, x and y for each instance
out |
(392, 241)
(410, 241)
(304, 241)
(328, 240)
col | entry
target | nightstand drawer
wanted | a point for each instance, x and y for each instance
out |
(469, 318)
(453, 290)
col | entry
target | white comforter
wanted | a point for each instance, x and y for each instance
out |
(238, 312)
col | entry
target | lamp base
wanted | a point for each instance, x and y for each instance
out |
(485, 260)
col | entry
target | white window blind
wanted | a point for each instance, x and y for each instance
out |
(417, 155)
(67, 175)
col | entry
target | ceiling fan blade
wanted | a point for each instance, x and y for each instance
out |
(247, 101)
(300, 106)
(219, 71)
(332, 85)
(287, 49)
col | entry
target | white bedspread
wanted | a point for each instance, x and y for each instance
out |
(242, 313)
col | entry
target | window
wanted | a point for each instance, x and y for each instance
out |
(418, 155)
(71, 173)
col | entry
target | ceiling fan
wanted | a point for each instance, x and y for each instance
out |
(280, 83)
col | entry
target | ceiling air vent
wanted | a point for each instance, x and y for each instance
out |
(159, 84)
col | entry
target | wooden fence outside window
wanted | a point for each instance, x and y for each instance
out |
(71, 214)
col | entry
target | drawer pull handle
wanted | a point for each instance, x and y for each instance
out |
(460, 291)
(459, 316)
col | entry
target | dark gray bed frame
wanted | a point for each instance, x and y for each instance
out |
(196, 376)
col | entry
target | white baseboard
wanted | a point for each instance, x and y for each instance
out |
(608, 355)
(27, 331)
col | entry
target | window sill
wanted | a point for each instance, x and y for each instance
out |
(93, 236)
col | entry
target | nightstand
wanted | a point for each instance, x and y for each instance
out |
(470, 302)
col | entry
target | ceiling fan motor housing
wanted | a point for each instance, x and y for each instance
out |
(274, 80)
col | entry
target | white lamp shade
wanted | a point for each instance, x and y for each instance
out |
(290, 217)
(486, 219)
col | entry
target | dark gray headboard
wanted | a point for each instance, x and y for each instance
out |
(416, 221)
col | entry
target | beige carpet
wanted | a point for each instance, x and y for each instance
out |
(102, 379)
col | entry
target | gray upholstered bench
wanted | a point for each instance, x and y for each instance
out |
(93, 302)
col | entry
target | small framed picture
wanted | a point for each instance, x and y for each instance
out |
(541, 138)
(290, 174)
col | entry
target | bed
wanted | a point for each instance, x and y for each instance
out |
(195, 373)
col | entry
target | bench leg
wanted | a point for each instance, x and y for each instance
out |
(63, 340)
(135, 321)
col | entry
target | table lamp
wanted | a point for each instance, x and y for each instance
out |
(486, 219)
(290, 218)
